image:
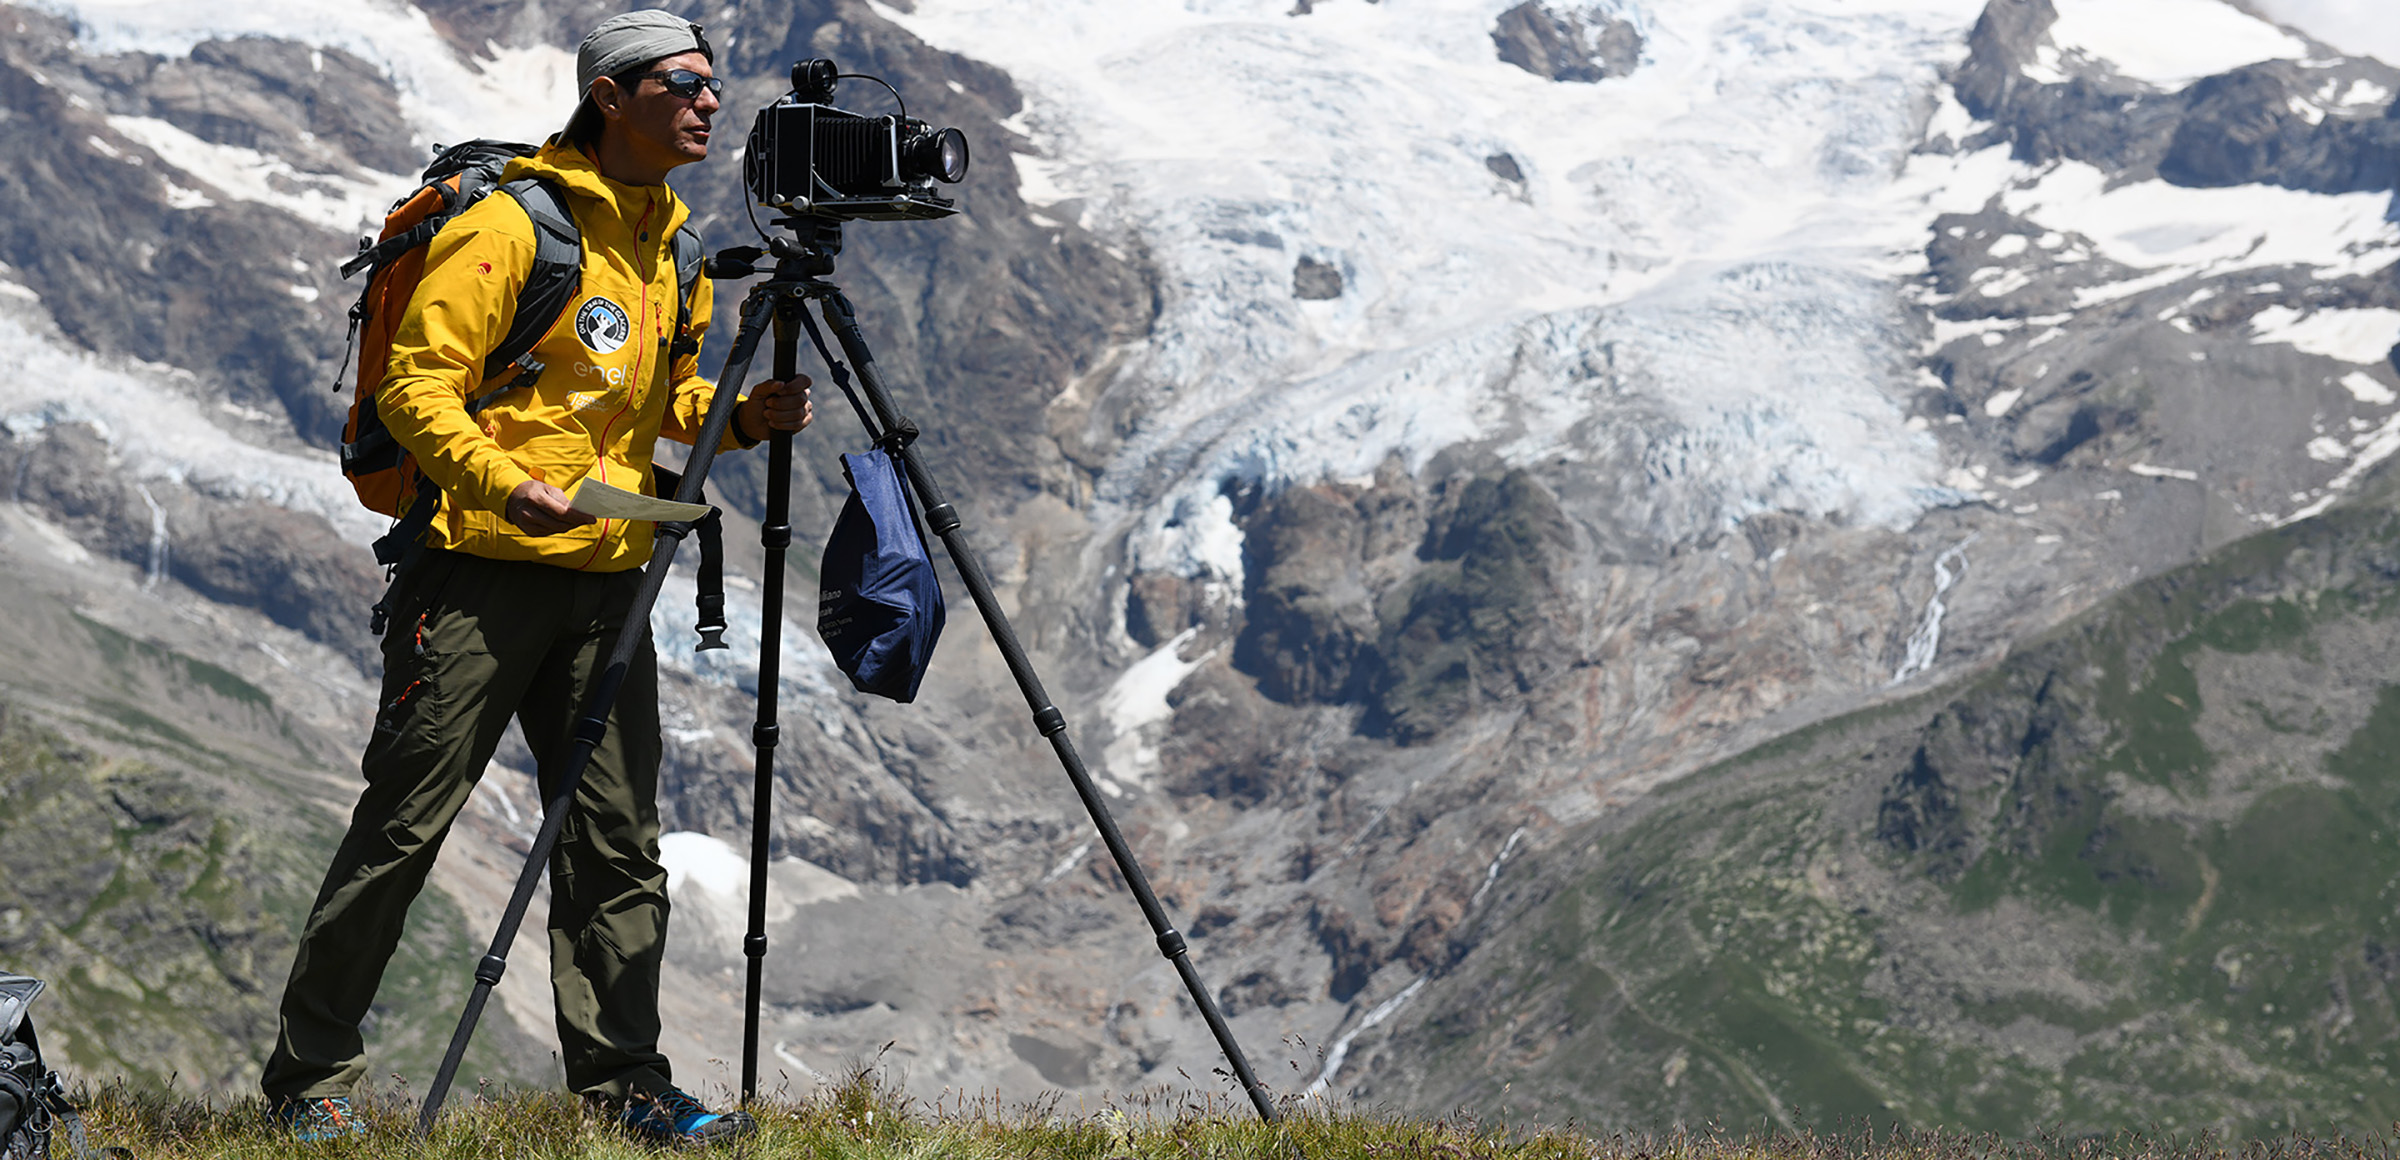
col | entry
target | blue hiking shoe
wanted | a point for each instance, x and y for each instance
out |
(318, 1120)
(674, 1117)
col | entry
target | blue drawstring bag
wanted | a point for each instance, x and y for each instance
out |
(879, 604)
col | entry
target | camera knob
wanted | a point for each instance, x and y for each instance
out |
(813, 81)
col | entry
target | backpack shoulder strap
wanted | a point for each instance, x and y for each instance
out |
(557, 273)
(691, 259)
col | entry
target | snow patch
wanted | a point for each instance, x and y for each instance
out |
(2353, 336)
(2367, 389)
(334, 202)
(2359, 27)
(708, 862)
(2208, 37)
(1136, 707)
(2366, 92)
(1139, 696)
(2177, 233)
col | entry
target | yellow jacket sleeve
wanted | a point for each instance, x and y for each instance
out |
(687, 406)
(462, 310)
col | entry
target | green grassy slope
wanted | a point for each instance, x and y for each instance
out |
(163, 827)
(2142, 873)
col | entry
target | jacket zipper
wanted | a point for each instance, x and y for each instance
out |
(609, 528)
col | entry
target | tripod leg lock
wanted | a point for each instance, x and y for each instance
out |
(775, 537)
(755, 946)
(592, 731)
(764, 734)
(1049, 720)
(943, 519)
(1171, 944)
(488, 971)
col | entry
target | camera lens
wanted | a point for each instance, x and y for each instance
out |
(940, 154)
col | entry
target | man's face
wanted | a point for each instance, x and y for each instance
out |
(659, 127)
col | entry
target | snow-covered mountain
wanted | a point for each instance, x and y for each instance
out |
(1408, 429)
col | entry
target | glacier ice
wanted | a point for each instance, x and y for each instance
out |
(1691, 288)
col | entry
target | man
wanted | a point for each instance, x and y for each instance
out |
(518, 598)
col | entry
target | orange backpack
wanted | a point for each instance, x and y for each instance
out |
(383, 473)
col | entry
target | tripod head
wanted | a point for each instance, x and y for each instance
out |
(807, 254)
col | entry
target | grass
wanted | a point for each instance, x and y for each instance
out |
(866, 1119)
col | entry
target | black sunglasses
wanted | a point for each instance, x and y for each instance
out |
(682, 82)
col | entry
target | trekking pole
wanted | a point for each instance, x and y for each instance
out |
(592, 726)
(774, 536)
(944, 521)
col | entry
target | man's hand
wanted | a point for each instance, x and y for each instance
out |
(539, 509)
(773, 407)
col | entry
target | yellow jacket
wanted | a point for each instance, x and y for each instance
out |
(606, 392)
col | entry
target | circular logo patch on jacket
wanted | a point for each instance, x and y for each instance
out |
(603, 325)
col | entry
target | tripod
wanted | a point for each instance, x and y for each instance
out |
(800, 276)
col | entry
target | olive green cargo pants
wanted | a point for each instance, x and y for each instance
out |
(472, 643)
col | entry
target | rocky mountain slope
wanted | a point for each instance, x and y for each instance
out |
(1408, 433)
(2137, 873)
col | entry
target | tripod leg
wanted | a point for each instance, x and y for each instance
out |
(943, 519)
(592, 725)
(774, 535)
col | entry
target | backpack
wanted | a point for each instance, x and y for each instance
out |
(879, 603)
(383, 474)
(33, 1103)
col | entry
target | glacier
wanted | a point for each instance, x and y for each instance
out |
(1698, 265)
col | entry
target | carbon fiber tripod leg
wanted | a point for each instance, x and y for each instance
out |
(943, 520)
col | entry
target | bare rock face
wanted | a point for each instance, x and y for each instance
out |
(1476, 625)
(1316, 280)
(91, 228)
(1319, 560)
(2262, 124)
(291, 566)
(1583, 44)
(1424, 608)
(2242, 128)
(318, 108)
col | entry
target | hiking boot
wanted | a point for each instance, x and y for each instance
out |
(674, 1117)
(318, 1120)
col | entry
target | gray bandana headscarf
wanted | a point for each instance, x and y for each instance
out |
(634, 38)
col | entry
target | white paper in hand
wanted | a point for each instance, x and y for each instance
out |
(608, 502)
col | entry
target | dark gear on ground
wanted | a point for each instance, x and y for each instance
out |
(36, 1121)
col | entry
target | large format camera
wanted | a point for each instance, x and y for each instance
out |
(810, 159)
